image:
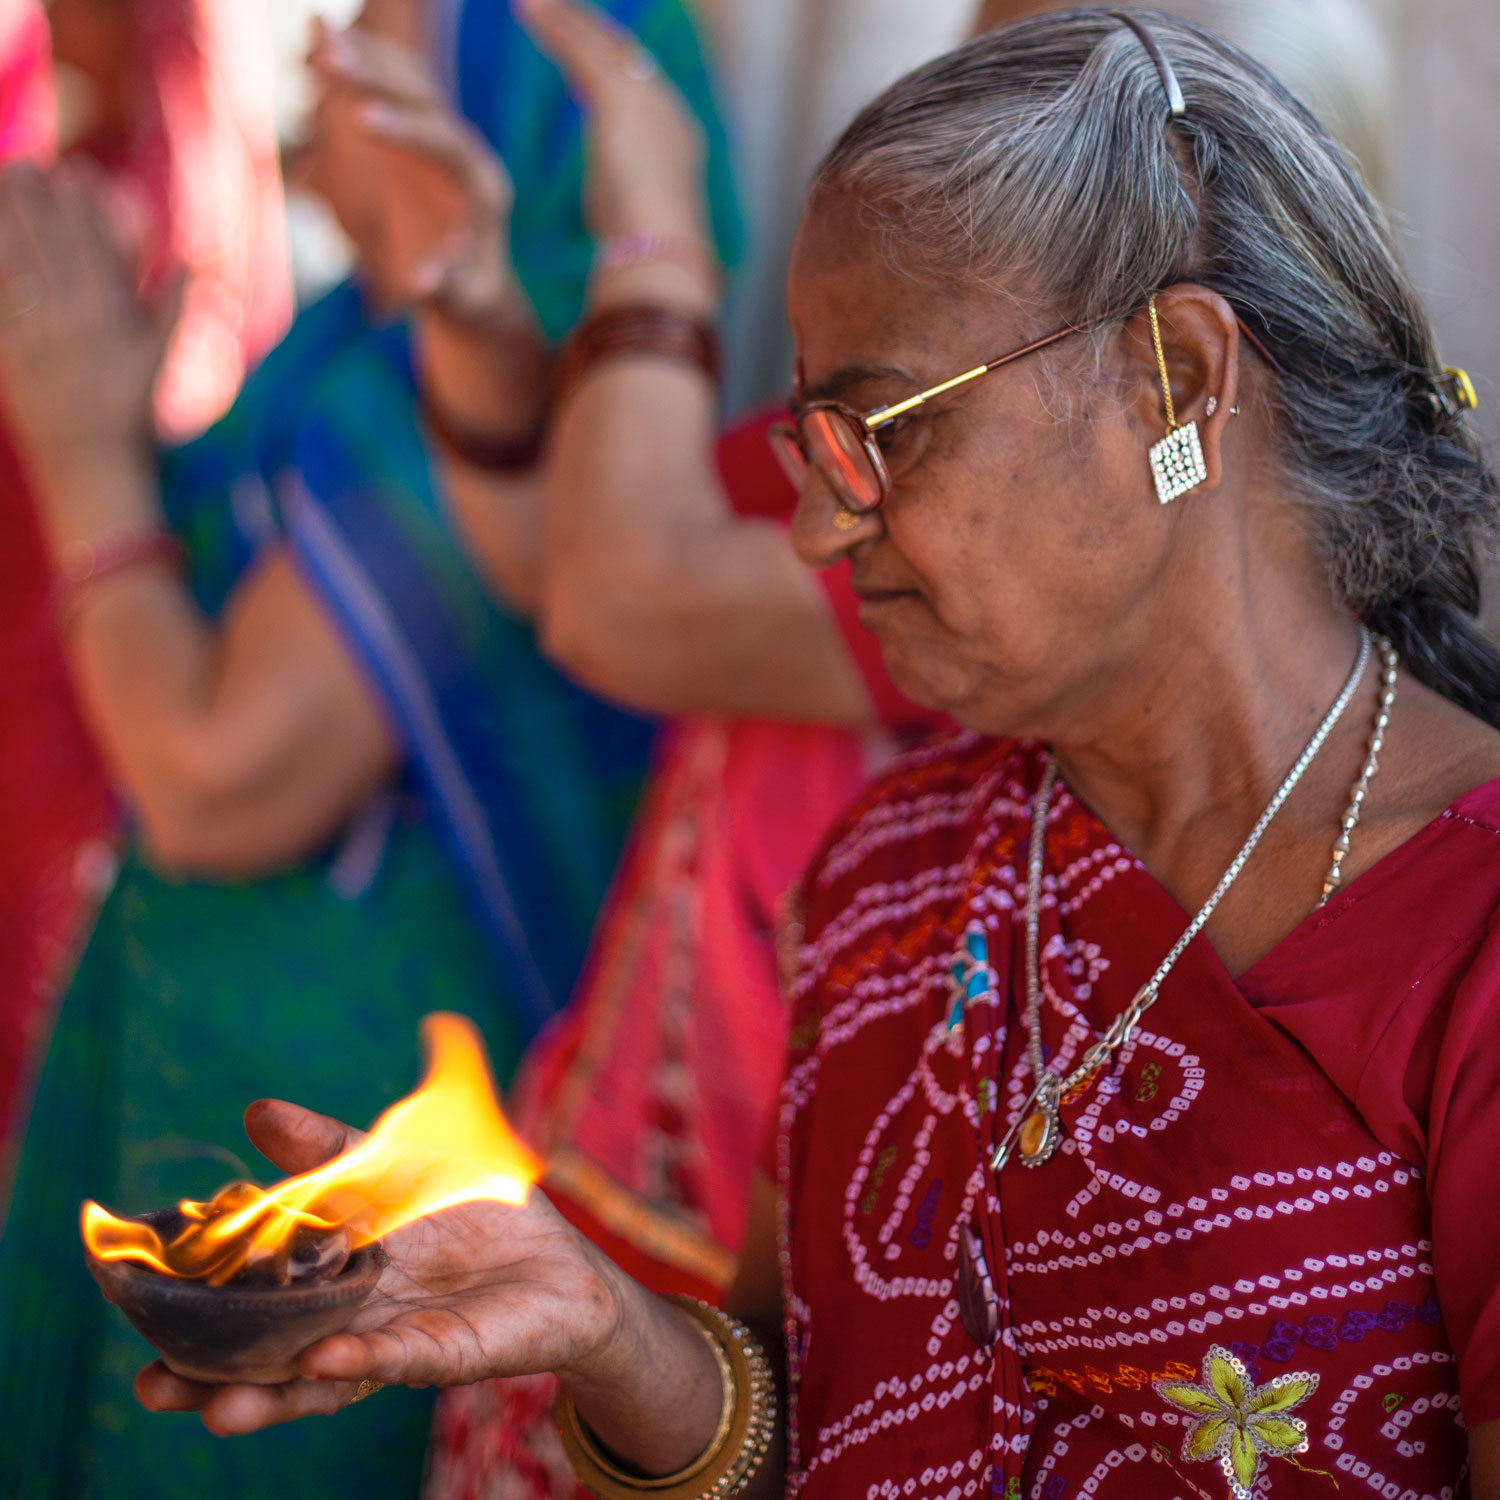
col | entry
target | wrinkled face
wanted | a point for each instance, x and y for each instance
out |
(1022, 555)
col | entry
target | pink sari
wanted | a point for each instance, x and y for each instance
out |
(1265, 1260)
(201, 188)
(198, 189)
(53, 800)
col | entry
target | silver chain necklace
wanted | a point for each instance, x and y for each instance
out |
(1038, 1130)
(1392, 663)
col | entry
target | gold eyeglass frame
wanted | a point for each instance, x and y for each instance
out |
(866, 424)
(786, 437)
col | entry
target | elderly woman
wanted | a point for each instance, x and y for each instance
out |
(1136, 1124)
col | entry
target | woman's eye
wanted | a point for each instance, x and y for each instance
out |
(888, 437)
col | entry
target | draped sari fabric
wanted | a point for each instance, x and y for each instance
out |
(649, 1098)
(197, 187)
(470, 883)
(1265, 1260)
(53, 799)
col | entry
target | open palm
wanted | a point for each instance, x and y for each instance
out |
(469, 1293)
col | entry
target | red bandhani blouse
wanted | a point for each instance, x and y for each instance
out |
(1265, 1260)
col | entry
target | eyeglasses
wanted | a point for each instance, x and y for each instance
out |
(840, 443)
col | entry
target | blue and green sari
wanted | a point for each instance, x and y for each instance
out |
(469, 884)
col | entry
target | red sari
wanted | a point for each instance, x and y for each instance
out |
(53, 800)
(1266, 1258)
(199, 185)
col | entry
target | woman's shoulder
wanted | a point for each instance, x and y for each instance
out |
(1479, 807)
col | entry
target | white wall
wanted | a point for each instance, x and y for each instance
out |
(1446, 178)
(796, 71)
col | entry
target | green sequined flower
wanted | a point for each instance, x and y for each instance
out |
(1239, 1422)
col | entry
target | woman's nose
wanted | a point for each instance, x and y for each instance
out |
(819, 537)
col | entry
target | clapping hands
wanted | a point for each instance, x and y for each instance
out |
(646, 150)
(416, 186)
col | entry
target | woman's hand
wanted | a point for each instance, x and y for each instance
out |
(646, 149)
(469, 1293)
(431, 221)
(79, 351)
(427, 203)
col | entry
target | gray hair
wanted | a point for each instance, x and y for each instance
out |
(1038, 159)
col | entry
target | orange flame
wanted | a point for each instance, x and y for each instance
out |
(446, 1144)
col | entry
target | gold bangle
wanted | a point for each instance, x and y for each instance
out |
(747, 1423)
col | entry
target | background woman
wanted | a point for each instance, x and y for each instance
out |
(185, 149)
(357, 783)
(53, 797)
(1158, 648)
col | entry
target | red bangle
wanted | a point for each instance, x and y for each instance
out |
(84, 564)
(639, 329)
(479, 450)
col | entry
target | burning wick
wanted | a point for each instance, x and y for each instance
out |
(446, 1144)
(242, 1234)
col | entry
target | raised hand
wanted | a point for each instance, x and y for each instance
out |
(432, 227)
(646, 150)
(469, 1293)
(79, 350)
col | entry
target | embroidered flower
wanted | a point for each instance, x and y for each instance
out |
(1239, 1422)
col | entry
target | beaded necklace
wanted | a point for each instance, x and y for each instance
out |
(1038, 1130)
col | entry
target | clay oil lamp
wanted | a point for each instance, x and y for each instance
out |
(236, 1288)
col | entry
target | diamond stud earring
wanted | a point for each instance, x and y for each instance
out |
(1177, 460)
(1212, 407)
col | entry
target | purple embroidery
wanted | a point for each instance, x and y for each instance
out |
(921, 1231)
(1323, 1332)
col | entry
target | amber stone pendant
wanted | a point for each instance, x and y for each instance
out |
(1039, 1135)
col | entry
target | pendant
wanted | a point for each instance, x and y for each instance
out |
(978, 1308)
(1037, 1133)
(1040, 1132)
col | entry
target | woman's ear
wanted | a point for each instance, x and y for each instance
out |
(1199, 342)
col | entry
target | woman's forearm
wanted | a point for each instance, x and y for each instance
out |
(657, 594)
(492, 383)
(632, 487)
(491, 379)
(140, 651)
(654, 1397)
(242, 746)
